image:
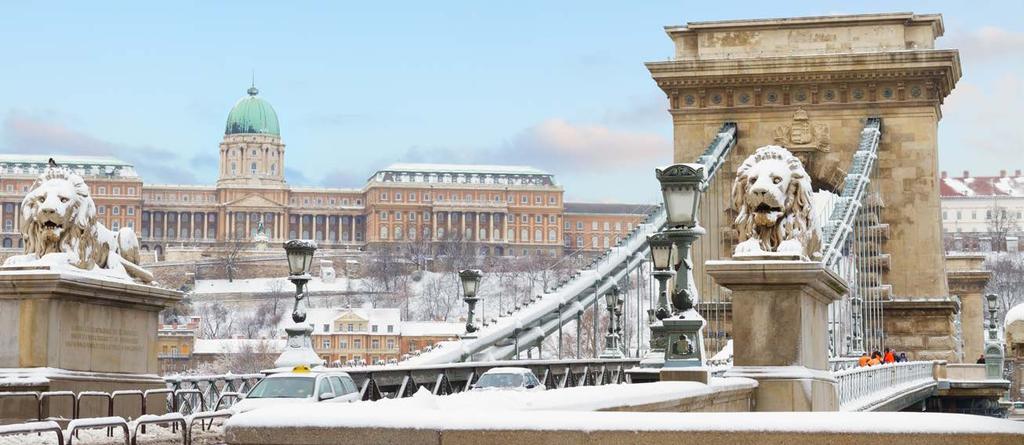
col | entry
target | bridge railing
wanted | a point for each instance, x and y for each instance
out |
(860, 388)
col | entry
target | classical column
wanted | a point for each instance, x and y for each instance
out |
(462, 225)
(448, 222)
(301, 224)
(202, 225)
(17, 218)
(165, 225)
(178, 224)
(352, 228)
(504, 227)
(433, 223)
(337, 230)
(490, 225)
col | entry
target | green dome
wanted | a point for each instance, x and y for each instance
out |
(252, 115)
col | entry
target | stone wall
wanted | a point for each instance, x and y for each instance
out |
(922, 328)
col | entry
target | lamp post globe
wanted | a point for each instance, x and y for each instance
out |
(681, 189)
(470, 285)
(300, 255)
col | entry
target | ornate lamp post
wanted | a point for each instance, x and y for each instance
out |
(611, 344)
(676, 338)
(300, 345)
(681, 189)
(993, 347)
(470, 284)
(661, 258)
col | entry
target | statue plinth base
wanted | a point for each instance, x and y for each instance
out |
(69, 331)
(299, 351)
(780, 330)
(677, 344)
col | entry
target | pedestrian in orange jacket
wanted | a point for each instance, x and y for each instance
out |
(889, 356)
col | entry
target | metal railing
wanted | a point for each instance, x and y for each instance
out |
(379, 382)
(861, 388)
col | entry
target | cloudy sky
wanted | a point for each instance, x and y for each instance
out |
(557, 85)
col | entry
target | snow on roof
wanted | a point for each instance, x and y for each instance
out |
(29, 164)
(992, 186)
(465, 168)
(380, 317)
(431, 328)
(235, 345)
(265, 285)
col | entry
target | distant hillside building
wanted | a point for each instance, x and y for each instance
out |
(983, 213)
(508, 210)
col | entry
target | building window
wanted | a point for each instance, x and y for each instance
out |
(944, 216)
(618, 226)
(350, 327)
(398, 215)
(384, 216)
(342, 343)
(327, 327)
(524, 235)
(252, 168)
(384, 232)
(373, 328)
(375, 343)
(383, 196)
(117, 190)
(593, 241)
(525, 199)
(593, 225)
(115, 210)
(579, 240)
(538, 236)
(326, 344)
(357, 343)
(958, 215)
(538, 219)
(398, 196)
(391, 328)
(552, 235)
(102, 210)
(566, 226)
(391, 343)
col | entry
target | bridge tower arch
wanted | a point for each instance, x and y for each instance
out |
(809, 84)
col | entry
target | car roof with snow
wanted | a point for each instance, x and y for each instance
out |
(509, 370)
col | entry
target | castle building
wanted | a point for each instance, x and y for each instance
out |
(507, 210)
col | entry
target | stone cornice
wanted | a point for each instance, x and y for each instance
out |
(941, 65)
(813, 22)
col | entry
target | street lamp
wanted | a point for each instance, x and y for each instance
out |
(993, 307)
(299, 350)
(681, 187)
(661, 258)
(611, 344)
(470, 285)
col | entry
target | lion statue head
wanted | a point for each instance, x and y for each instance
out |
(58, 224)
(773, 195)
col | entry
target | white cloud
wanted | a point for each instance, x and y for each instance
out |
(988, 43)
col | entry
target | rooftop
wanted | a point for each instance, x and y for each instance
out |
(464, 168)
(598, 208)
(34, 164)
(236, 345)
(968, 186)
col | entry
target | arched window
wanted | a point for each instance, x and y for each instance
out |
(273, 169)
(593, 241)
(552, 236)
(398, 233)
(524, 235)
(8, 242)
(234, 169)
(538, 235)
(412, 233)
(383, 232)
(252, 168)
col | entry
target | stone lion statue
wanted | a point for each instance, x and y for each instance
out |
(773, 195)
(58, 224)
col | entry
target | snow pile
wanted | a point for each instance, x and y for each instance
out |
(357, 416)
(472, 403)
(1015, 314)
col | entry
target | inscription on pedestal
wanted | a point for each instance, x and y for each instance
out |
(108, 339)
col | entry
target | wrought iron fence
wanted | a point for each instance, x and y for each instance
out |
(860, 388)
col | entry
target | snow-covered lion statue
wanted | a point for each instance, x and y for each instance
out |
(58, 224)
(772, 193)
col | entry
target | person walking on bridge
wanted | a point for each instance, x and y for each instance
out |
(889, 356)
(863, 361)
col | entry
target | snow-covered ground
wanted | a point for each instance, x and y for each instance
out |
(155, 435)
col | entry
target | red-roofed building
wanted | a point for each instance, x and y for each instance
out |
(982, 213)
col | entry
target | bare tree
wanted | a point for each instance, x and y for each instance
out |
(216, 321)
(277, 291)
(247, 358)
(1001, 223)
(226, 255)
(440, 297)
(1007, 280)
(260, 322)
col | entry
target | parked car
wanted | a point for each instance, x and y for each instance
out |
(521, 379)
(301, 385)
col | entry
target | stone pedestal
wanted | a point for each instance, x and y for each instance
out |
(780, 332)
(299, 351)
(924, 328)
(64, 331)
(967, 278)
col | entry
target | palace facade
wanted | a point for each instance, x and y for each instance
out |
(508, 210)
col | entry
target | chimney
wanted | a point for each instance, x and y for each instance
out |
(967, 174)
(944, 174)
(1002, 173)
